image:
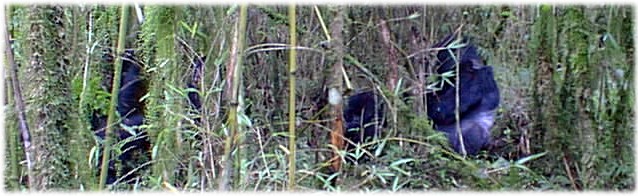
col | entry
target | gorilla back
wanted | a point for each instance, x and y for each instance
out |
(363, 115)
(132, 87)
(131, 110)
(194, 85)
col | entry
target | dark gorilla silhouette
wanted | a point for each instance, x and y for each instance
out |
(364, 118)
(130, 108)
(478, 93)
(194, 84)
(131, 86)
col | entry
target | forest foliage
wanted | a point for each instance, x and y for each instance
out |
(565, 74)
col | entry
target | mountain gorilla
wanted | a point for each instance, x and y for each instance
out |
(478, 93)
(478, 99)
(130, 108)
(363, 116)
(194, 84)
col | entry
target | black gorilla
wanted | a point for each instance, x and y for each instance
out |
(194, 84)
(479, 98)
(131, 87)
(478, 93)
(130, 108)
(363, 111)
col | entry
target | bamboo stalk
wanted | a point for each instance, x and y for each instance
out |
(234, 72)
(457, 97)
(291, 105)
(114, 95)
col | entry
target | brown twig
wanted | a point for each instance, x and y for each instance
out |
(569, 174)
(392, 55)
(20, 108)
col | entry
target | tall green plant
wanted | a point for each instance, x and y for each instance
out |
(292, 67)
(162, 102)
(235, 70)
(108, 133)
(84, 75)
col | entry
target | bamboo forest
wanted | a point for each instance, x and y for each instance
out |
(304, 97)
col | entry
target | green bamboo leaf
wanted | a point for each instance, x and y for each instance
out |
(529, 158)
(401, 161)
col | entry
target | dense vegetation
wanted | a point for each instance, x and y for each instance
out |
(565, 75)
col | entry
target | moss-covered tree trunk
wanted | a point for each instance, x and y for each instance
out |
(163, 103)
(542, 59)
(105, 24)
(615, 100)
(577, 131)
(48, 90)
(82, 73)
